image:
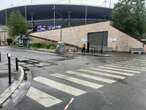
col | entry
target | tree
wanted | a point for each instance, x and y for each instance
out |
(130, 16)
(17, 24)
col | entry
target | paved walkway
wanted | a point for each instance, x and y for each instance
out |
(4, 76)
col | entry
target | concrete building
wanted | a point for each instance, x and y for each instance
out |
(76, 36)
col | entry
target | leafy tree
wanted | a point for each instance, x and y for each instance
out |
(17, 24)
(130, 16)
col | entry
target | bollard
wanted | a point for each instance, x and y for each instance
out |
(16, 63)
(9, 68)
(0, 57)
(25, 76)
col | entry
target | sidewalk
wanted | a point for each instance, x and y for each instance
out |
(4, 77)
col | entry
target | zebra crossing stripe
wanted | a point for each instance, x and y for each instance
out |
(132, 67)
(59, 86)
(103, 74)
(111, 71)
(128, 67)
(110, 81)
(42, 98)
(117, 69)
(78, 81)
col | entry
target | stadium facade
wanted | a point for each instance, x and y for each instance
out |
(59, 15)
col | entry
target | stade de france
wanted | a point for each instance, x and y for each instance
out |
(73, 24)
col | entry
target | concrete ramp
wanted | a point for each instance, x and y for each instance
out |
(76, 36)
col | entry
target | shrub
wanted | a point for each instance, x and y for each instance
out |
(43, 45)
(51, 46)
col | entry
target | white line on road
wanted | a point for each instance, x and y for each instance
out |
(78, 81)
(110, 71)
(103, 74)
(62, 87)
(91, 77)
(117, 69)
(127, 67)
(69, 103)
(42, 98)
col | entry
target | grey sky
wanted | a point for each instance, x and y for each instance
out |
(13, 3)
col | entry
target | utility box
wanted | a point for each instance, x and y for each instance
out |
(60, 48)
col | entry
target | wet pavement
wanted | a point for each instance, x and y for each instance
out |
(4, 76)
(128, 93)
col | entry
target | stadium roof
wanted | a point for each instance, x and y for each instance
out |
(4, 4)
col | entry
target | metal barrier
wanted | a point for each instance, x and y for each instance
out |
(136, 50)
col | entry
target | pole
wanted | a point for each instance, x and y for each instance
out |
(9, 68)
(60, 34)
(25, 8)
(102, 45)
(69, 18)
(6, 16)
(0, 57)
(16, 62)
(86, 14)
(110, 4)
(32, 23)
(54, 8)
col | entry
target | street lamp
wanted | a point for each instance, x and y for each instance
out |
(69, 18)
(54, 9)
(25, 9)
(86, 14)
(6, 16)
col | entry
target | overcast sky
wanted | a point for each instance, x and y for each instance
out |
(13, 3)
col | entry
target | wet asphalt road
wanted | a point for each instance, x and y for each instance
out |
(126, 94)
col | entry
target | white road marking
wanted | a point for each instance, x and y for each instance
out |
(103, 74)
(91, 77)
(134, 67)
(78, 81)
(62, 87)
(69, 103)
(127, 67)
(116, 72)
(42, 98)
(117, 69)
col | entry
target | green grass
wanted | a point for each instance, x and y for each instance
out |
(43, 45)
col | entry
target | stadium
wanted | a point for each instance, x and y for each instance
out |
(74, 24)
(59, 15)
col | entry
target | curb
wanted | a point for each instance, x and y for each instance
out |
(90, 54)
(10, 90)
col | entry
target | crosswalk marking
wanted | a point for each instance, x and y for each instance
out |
(62, 87)
(127, 67)
(117, 69)
(103, 74)
(78, 81)
(91, 77)
(131, 66)
(111, 71)
(123, 67)
(42, 98)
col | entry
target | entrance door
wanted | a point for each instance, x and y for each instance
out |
(98, 40)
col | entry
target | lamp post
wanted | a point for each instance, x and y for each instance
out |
(86, 14)
(69, 18)
(54, 9)
(6, 16)
(61, 34)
